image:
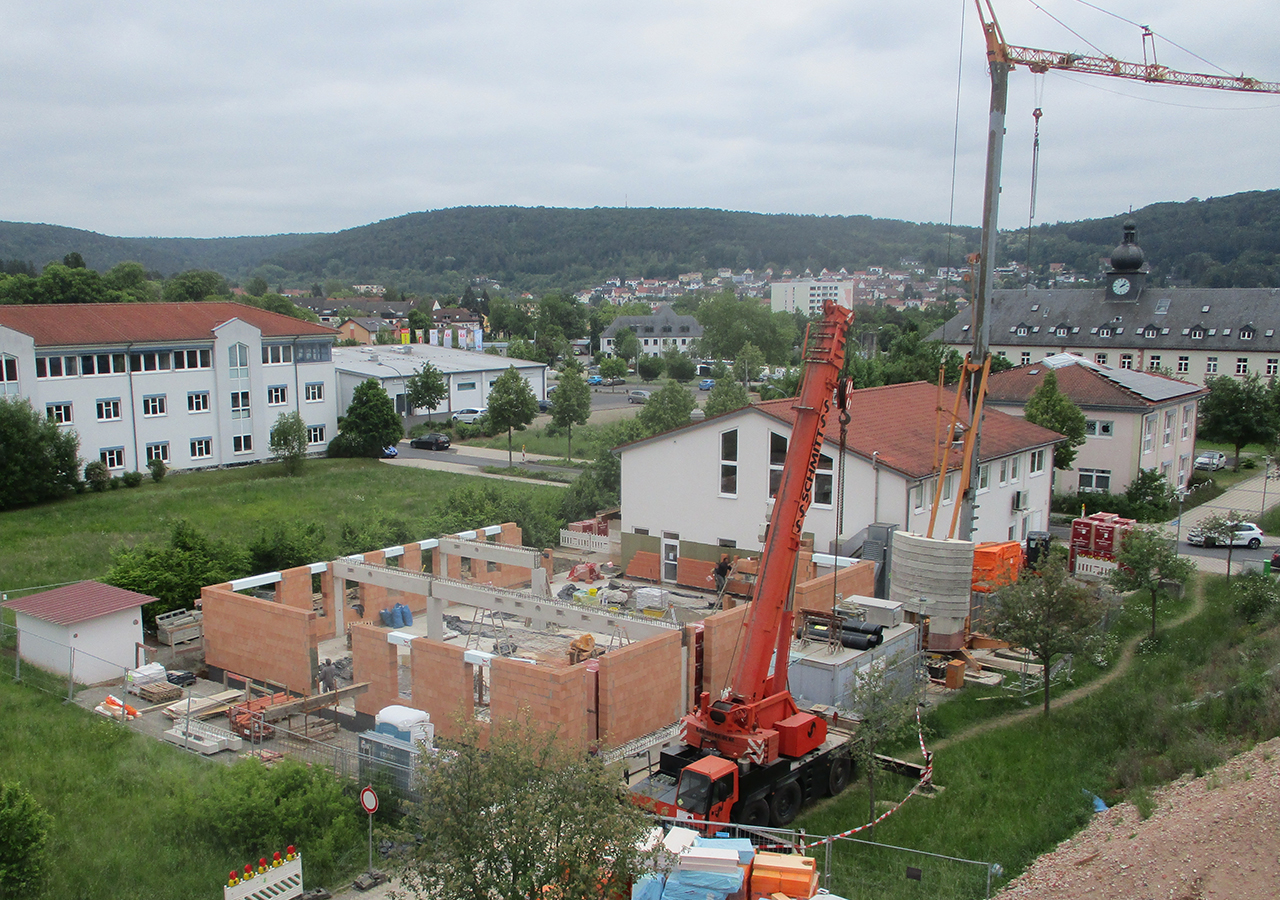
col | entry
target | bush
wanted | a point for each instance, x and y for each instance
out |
(97, 475)
(158, 469)
(132, 479)
(24, 834)
(115, 483)
(37, 458)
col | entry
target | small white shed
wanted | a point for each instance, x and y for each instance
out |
(88, 629)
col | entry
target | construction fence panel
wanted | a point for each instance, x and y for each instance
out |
(54, 667)
(866, 870)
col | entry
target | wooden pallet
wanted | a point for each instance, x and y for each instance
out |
(159, 692)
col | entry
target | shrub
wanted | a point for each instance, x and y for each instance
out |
(115, 483)
(24, 834)
(97, 475)
(132, 479)
(158, 469)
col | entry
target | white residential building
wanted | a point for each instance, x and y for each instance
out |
(193, 384)
(809, 295)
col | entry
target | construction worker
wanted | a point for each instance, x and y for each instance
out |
(722, 572)
(328, 677)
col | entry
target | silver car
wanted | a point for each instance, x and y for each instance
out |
(469, 416)
(1243, 534)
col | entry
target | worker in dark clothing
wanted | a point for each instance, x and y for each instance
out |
(722, 572)
(328, 677)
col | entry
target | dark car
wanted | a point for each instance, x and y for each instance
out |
(545, 405)
(431, 441)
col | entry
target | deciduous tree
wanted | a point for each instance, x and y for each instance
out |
(626, 345)
(1049, 408)
(650, 367)
(1237, 412)
(512, 404)
(521, 818)
(174, 574)
(572, 405)
(1047, 613)
(613, 367)
(1146, 560)
(371, 423)
(425, 388)
(38, 459)
(666, 409)
(726, 396)
(884, 706)
(24, 835)
(289, 441)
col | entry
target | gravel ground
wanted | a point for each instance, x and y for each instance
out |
(1212, 837)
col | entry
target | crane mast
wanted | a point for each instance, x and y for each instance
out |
(757, 718)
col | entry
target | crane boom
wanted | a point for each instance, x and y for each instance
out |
(1040, 61)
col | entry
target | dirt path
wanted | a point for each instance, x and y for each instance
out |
(1122, 665)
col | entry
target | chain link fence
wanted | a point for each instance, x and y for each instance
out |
(51, 666)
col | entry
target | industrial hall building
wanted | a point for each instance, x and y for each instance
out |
(1128, 323)
(195, 385)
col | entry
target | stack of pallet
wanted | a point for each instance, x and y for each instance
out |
(159, 692)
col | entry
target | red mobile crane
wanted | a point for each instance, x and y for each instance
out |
(751, 755)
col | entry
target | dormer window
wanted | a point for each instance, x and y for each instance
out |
(1022, 331)
(1063, 331)
(1247, 333)
(1150, 331)
(1104, 332)
(1197, 333)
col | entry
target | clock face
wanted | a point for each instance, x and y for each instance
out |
(1120, 287)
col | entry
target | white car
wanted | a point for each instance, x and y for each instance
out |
(1211, 460)
(1243, 534)
(469, 416)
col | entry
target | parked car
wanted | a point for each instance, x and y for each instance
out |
(545, 405)
(610, 382)
(594, 379)
(1243, 534)
(1275, 562)
(433, 441)
(1211, 460)
(470, 415)
(638, 396)
(706, 384)
(390, 452)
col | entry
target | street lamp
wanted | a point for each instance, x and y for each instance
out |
(1182, 492)
(1266, 476)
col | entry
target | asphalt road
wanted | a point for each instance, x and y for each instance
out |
(459, 456)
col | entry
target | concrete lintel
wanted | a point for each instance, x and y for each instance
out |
(253, 581)
(388, 577)
(504, 554)
(543, 612)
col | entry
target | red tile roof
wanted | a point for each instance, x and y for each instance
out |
(76, 324)
(78, 602)
(1086, 385)
(898, 423)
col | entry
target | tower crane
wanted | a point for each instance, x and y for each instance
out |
(1002, 57)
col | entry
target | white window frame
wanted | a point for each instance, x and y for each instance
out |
(201, 448)
(984, 478)
(1242, 365)
(108, 409)
(277, 395)
(242, 443)
(154, 406)
(314, 391)
(1036, 465)
(59, 413)
(113, 457)
(241, 407)
(1093, 475)
(728, 472)
(315, 434)
(158, 450)
(1211, 365)
(198, 401)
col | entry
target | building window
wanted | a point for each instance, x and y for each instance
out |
(1100, 358)
(1104, 332)
(240, 405)
(314, 391)
(57, 366)
(154, 405)
(1153, 362)
(917, 497)
(277, 354)
(777, 457)
(1095, 480)
(1273, 366)
(1169, 416)
(277, 396)
(1013, 468)
(984, 477)
(1126, 360)
(1186, 422)
(1247, 333)
(58, 412)
(315, 434)
(238, 356)
(1022, 331)
(729, 463)
(639, 530)
(948, 487)
(113, 457)
(192, 359)
(1211, 365)
(1242, 365)
(1026, 357)
(103, 364)
(822, 482)
(151, 361)
(158, 451)
(1197, 334)
(1098, 429)
(201, 448)
(1148, 433)
(109, 410)
(242, 443)
(1004, 471)
(198, 401)
(9, 375)
(1037, 462)
(466, 386)
(1184, 365)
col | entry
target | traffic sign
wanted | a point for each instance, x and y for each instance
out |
(369, 800)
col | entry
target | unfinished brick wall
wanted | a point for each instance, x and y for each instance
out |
(262, 639)
(720, 639)
(645, 566)
(640, 688)
(294, 590)
(375, 661)
(819, 593)
(551, 697)
(373, 597)
(442, 684)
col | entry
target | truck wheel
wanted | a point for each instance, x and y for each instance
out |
(786, 803)
(838, 777)
(756, 813)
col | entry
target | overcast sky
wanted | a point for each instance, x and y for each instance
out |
(156, 117)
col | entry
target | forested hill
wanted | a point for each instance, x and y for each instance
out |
(546, 247)
(1219, 242)
(1231, 241)
(233, 257)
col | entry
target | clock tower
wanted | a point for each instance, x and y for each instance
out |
(1127, 277)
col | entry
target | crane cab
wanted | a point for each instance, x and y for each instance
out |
(707, 790)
